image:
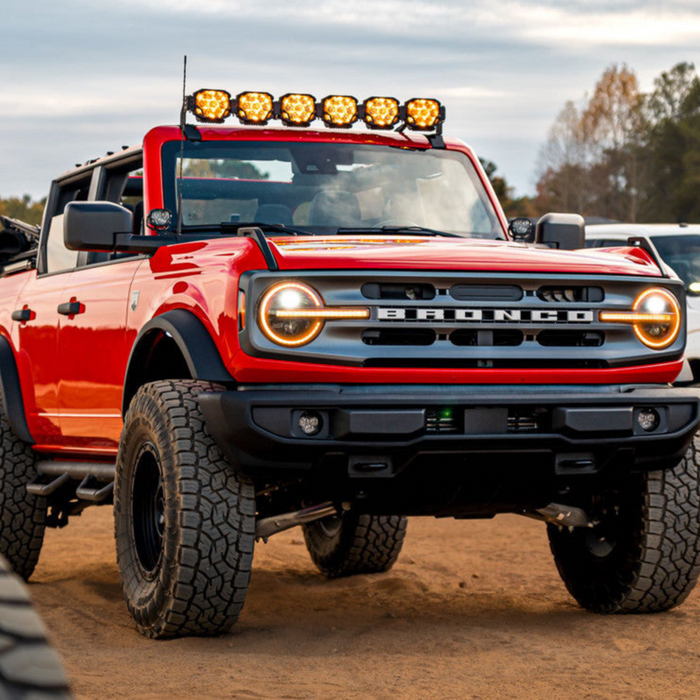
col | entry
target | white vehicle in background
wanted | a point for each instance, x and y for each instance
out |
(678, 245)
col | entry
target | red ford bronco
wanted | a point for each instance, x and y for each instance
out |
(232, 330)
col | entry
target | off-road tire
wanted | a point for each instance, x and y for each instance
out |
(202, 511)
(651, 562)
(22, 516)
(355, 544)
(29, 668)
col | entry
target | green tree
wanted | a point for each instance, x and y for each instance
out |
(22, 208)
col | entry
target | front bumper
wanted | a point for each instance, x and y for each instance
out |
(378, 430)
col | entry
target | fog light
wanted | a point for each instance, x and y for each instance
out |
(648, 419)
(310, 423)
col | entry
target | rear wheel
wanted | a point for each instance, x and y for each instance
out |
(22, 516)
(184, 519)
(349, 543)
(644, 555)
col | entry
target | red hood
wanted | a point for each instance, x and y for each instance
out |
(415, 253)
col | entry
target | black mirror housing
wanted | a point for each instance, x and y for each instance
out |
(92, 225)
(562, 231)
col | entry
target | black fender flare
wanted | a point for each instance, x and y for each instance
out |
(192, 339)
(11, 391)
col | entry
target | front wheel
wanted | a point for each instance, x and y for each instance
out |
(644, 554)
(184, 519)
(350, 543)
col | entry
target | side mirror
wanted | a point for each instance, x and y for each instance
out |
(93, 225)
(562, 231)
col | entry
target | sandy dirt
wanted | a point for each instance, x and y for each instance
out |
(472, 609)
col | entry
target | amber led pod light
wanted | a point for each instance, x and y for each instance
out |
(211, 105)
(339, 111)
(254, 107)
(423, 114)
(381, 112)
(297, 110)
(655, 317)
(293, 314)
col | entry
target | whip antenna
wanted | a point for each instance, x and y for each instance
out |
(183, 115)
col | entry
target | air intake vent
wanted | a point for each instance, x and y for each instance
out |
(399, 336)
(571, 339)
(571, 294)
(440, 420)
(506, 337)
(403, 292)
(478, 292)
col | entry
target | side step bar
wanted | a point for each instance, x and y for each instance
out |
(96, 479)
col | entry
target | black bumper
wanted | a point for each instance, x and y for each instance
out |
(379, 429)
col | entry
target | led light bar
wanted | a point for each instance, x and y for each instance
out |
(322, 313)
(211, 105)
(339, 111)
(423, 114)
(299, 109)
(380, 112)
(254, 107)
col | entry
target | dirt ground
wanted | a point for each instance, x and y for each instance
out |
(472, 609)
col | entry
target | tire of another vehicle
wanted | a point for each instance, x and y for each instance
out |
(644, 556)
(22, 516)
(184, 519)
(351, 543)
(29, 668)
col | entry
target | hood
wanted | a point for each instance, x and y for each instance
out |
(418, 253)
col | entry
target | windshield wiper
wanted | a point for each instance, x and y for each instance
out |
(403, 230)
(232, 227)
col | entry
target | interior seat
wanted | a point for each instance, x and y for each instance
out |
(335, 208)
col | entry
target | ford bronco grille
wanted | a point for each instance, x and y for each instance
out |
(468, 320)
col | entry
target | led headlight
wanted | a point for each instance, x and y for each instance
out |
(293, 314)
(655, 317)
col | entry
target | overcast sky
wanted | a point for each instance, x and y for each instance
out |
(81, 77)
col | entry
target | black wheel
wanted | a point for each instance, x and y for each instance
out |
(29, 668)
(644, 556)
(22, 516)
(348, 544)
(184, 519)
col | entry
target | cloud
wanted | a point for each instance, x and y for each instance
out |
(83, 76)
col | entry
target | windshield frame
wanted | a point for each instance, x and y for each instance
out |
(477, 179)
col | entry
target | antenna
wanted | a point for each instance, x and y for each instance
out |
(183, 115)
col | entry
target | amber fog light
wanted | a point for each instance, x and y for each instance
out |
(655, 317)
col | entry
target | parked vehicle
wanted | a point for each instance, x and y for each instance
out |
(678, 245)
(232, 330)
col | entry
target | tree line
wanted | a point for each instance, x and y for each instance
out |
(623, 154)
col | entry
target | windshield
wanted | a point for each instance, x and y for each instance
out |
(682, 253)
(323, 187)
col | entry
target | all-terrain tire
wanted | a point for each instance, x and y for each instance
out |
(184, 519)
(29, 668)
(22, 516)
(350, 543)
(645, 554)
